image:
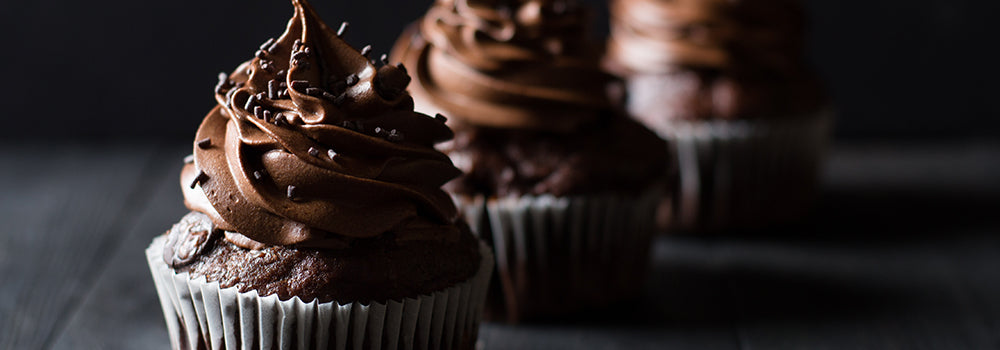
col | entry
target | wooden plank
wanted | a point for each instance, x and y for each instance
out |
(876, 269)
(122, 311)
(886, 264)
(819, 298)
(976, 269)
(63, 209)
(684, 307)
(965, 166)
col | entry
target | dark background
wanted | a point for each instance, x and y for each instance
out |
(897, 69)
(901, 253)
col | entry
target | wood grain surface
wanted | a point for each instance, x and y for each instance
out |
(902, 253)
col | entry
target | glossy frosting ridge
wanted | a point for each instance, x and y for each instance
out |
(506, 64)
(312, 144)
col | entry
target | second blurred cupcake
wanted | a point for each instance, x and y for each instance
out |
(725, 82)
(562, 183)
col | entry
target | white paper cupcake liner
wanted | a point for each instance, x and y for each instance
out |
(201, 314)
(744, 174)
(558, 255)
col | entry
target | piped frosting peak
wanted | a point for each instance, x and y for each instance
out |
(313, 144)
(516, 64)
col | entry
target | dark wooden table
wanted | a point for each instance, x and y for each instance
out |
(903, 253)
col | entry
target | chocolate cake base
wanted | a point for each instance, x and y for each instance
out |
(370, 270)
(614, 154)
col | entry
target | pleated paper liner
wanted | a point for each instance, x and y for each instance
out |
(202, 315)
(745, 173)
(560, 255)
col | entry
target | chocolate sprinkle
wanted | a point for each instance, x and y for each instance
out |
(299, 84)
(352, 79)
(299, 62)
(342, 29)
(258, 174)
(353, 125)
(200, 179)
(314, 91)
(272, 89)
(329, 97)
(340, 99)
(391, 81)
(394, 136)
(440, 117)
(189, 159)
(367, 50)
(267, 116)
(260, 54)
(384, 59)
(291, 192)
(223, 83)
(205, 143)
(313, 151)
(380, 132)
(267, 44)
(331, 153)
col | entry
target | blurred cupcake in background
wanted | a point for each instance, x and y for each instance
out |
(317, 215)
(562, 183)
(727, 85)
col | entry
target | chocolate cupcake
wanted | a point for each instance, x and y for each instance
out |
(725, 82)
(562, 183)
(318, 219)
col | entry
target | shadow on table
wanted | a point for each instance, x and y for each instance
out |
(738, 277)
(887, 215)
(907, 214)
(701, 297)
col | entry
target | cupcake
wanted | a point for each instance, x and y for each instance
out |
(726, 84)
(557, 178)
(317, 215)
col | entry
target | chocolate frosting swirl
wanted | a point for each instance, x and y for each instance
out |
(659, 35)
(520, 64)
(313, 145)
(712, 59)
